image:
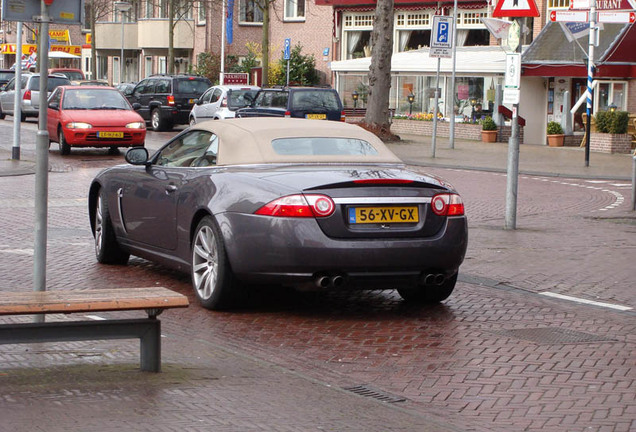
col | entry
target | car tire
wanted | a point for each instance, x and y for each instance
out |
(65, 148)
(113, 151)
(428, 294)
(156, 121)
(212, 279)
(107, 250)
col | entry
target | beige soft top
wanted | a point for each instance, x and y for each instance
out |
(248, 140)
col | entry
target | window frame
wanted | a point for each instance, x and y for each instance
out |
(291, 14)
(242, 13)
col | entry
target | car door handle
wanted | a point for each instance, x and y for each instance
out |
(171, 188)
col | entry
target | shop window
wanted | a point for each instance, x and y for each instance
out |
(611, 93)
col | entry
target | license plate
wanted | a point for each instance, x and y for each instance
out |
(366, 215)
(316, 116)
(191, 101)
(110, 134)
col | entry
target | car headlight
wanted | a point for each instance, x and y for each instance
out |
(136, 125)
(79, 125)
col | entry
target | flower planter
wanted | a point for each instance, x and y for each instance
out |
(610, 143)
(556, 140)
(489, 136)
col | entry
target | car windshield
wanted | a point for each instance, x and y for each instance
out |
(192, 86)
(72, 75)
(327, 146)
(241, 98)
(6, 75)
(311, 99)
(51, 84)
(94, 99)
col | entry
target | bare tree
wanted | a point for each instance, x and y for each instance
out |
(377, 114)
(96, 10)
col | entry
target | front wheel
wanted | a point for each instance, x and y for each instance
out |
(107, 250)
(212, 277)
(428, 294)
(65, 148)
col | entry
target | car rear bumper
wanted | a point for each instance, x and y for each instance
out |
(177, 115)
(296, 251)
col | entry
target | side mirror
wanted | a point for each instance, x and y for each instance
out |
(54, 105)
(137, 156)
(136, 106)
(199, 101)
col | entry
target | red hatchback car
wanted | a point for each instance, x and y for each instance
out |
(93, 116)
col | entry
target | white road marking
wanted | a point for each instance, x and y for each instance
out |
(590, 302)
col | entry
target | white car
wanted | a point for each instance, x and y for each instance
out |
(221, 102)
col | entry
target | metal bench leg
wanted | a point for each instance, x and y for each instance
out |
(150, 346)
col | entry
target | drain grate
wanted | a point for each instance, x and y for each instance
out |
(375, 394)
(553, 335)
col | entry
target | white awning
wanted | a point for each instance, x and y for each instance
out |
(62, 54)
(470, 60)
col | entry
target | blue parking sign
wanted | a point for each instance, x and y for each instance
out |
(286, 52)
(441, 36)
(442, 32)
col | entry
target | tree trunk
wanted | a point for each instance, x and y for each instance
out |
(265, 47)
(92, 20)
(171, 8)
(377, 114)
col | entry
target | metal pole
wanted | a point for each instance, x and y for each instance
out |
(287, 80)
(634, 183)
(510, 220)
(121, 57)
(15, 150)
(222, 74)
(590, 77)
(435, 111)
(451, 137)
(41, 163)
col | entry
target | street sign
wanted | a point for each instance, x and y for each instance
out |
(514, 36)
(513, 71)
(617, 17)
(511, 96)
(236, 78)
(59, 12)
(569, 16)
(515, 8)
(441, 37)
(287, 49)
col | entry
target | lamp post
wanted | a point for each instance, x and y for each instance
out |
(612, 108)
(411, 99)
(122, 6)
(355, 96)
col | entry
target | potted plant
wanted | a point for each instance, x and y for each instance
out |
(488, 129)
(555, 134)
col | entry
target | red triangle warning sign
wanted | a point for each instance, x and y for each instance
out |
(515, 8)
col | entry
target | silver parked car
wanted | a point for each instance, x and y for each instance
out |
(30, 89)
(221, 102)
(302, 203)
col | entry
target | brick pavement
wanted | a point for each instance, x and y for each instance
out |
(494, 357)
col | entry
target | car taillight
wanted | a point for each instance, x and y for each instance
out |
(224, 102)
(287, 114)
(170, 100)
(299, 206)
(447, 204)
(343, 117)
(27, 95)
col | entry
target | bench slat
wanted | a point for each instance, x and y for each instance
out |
(102, 300)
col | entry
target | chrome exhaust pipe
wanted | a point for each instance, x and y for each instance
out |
(439, 279)
(322, 281)
(429, 279)
(337, 281)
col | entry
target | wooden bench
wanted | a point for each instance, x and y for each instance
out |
(148, 330)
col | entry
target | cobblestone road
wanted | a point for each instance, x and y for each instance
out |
(497, 356)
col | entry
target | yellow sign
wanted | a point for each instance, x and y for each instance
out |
(59, 35)
(89, 38)
(28, 49)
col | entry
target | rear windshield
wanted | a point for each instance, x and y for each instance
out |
(312, 99)
(327, 146)
(51, 84)
(6, 75)
(241, 98)
(192, 86)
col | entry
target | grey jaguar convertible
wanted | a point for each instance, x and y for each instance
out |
(308, 204)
